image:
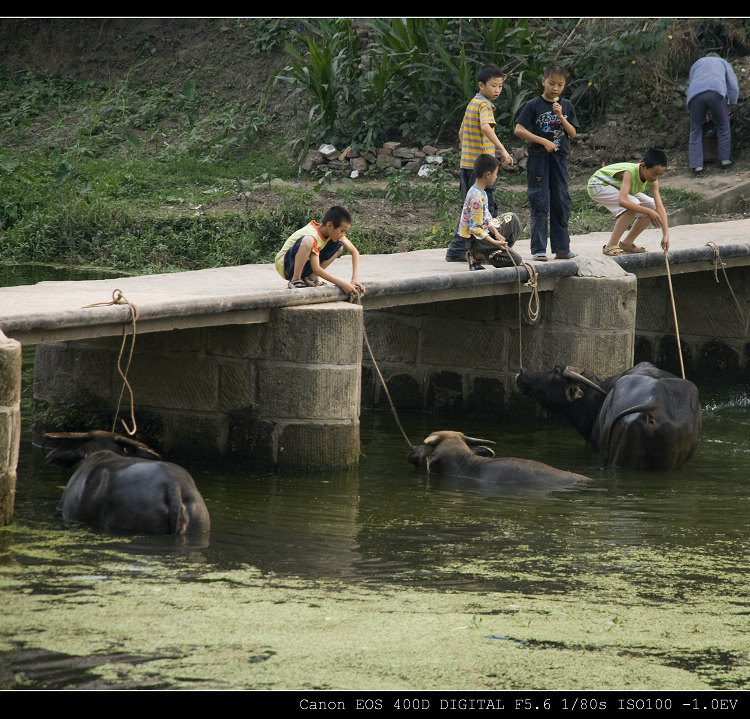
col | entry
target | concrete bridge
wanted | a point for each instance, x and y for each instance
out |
(229, 361)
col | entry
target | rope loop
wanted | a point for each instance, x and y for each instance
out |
(719, 263)
(119, 299)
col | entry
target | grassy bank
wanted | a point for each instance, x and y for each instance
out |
(151, 178)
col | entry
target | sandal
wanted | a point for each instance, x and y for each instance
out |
(310, 282)
(632, 250)
(539, 258)
(612, 251)
(474, 263)
(297, 285)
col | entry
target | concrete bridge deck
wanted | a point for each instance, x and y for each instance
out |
(51, 311)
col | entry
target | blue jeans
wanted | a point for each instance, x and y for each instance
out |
(548, 195)
(698, 106)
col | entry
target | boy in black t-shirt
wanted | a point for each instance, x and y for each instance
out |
(548, 123)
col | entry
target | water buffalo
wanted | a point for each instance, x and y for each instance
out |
(454, 454)
(643, 418)
(121, 485)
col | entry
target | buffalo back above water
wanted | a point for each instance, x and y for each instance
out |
(643, 418)
(453, 454)
(140, 496)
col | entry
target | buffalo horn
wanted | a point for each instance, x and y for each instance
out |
(475, 440)
(576, 377)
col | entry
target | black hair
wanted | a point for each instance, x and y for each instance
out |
(551, 70)
(338, 215)
(487, 72)
(654, 156)
(484, 164)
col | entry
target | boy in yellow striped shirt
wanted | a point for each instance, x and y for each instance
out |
(477, 137)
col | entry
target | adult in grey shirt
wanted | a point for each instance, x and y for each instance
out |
(713, 87)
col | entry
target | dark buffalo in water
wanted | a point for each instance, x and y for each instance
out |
(453, 454)
(643, 418)
(121, 485)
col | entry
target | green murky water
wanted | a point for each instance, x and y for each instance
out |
(384, 578)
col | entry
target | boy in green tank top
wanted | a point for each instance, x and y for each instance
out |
(621, 188)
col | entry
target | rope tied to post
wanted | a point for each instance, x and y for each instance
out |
(719, 263)
(119, 299)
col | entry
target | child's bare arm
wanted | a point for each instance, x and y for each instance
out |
(523, 134)
(623, 201)
(662, 212)
(354, 252)
(488, 130)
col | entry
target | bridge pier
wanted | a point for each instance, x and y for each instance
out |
(10, 423)
(463, 355)
(284, 392)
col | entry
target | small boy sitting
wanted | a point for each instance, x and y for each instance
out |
(310, 250)
(484, 241)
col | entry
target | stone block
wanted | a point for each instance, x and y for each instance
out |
(191, 434)
(242, 341)
(308, 391)
(318, 446)
(189, 382)
(478, 345)
(71, 372)
(10, 371)
(594, 302)
(328, 333)
(236, 385)
(392, 338)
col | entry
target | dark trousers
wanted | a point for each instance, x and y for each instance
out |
(457, 249)
(549, 200)
(328, 251)
(698, 106)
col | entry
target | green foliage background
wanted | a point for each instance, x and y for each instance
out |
(118, 172)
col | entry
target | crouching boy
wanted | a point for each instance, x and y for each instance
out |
(487, 241)
(308, 252)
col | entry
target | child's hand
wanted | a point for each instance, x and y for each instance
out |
(655, 218)
(557, 109)
(665, 241)
(549, 145)
(507, 158)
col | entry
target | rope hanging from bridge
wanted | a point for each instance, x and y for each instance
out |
(533, 309)
(356, 298)
(674, 314)
(119, 299)
(718, 262)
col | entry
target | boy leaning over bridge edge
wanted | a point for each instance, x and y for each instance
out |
(309, 251)
(621, 188)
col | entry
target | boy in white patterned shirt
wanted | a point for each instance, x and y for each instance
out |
(484, 241)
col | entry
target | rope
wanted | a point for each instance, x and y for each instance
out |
(674, 314)
(718, 262)
(533, 309)
(119, 299)
(356, 298)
